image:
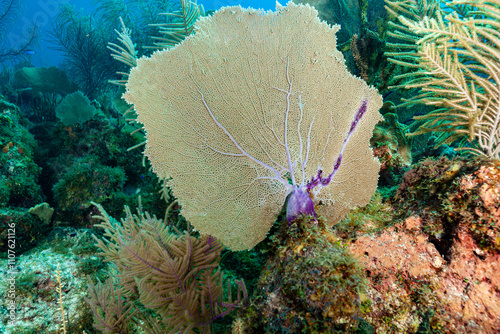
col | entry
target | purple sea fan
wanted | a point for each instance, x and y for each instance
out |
(300, 200)
(252, 108)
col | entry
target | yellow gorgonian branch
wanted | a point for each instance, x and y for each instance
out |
(60, 300)
(457, 57)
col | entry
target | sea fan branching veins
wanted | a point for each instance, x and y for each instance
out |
(251, 108)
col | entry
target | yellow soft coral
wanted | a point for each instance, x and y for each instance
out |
(457, 62)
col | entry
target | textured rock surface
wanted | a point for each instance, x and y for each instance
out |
(410, 280)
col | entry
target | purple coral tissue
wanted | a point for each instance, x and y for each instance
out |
(300, 201)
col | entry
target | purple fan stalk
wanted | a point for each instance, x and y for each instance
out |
(300, 201)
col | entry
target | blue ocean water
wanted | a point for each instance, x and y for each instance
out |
(43, 12)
